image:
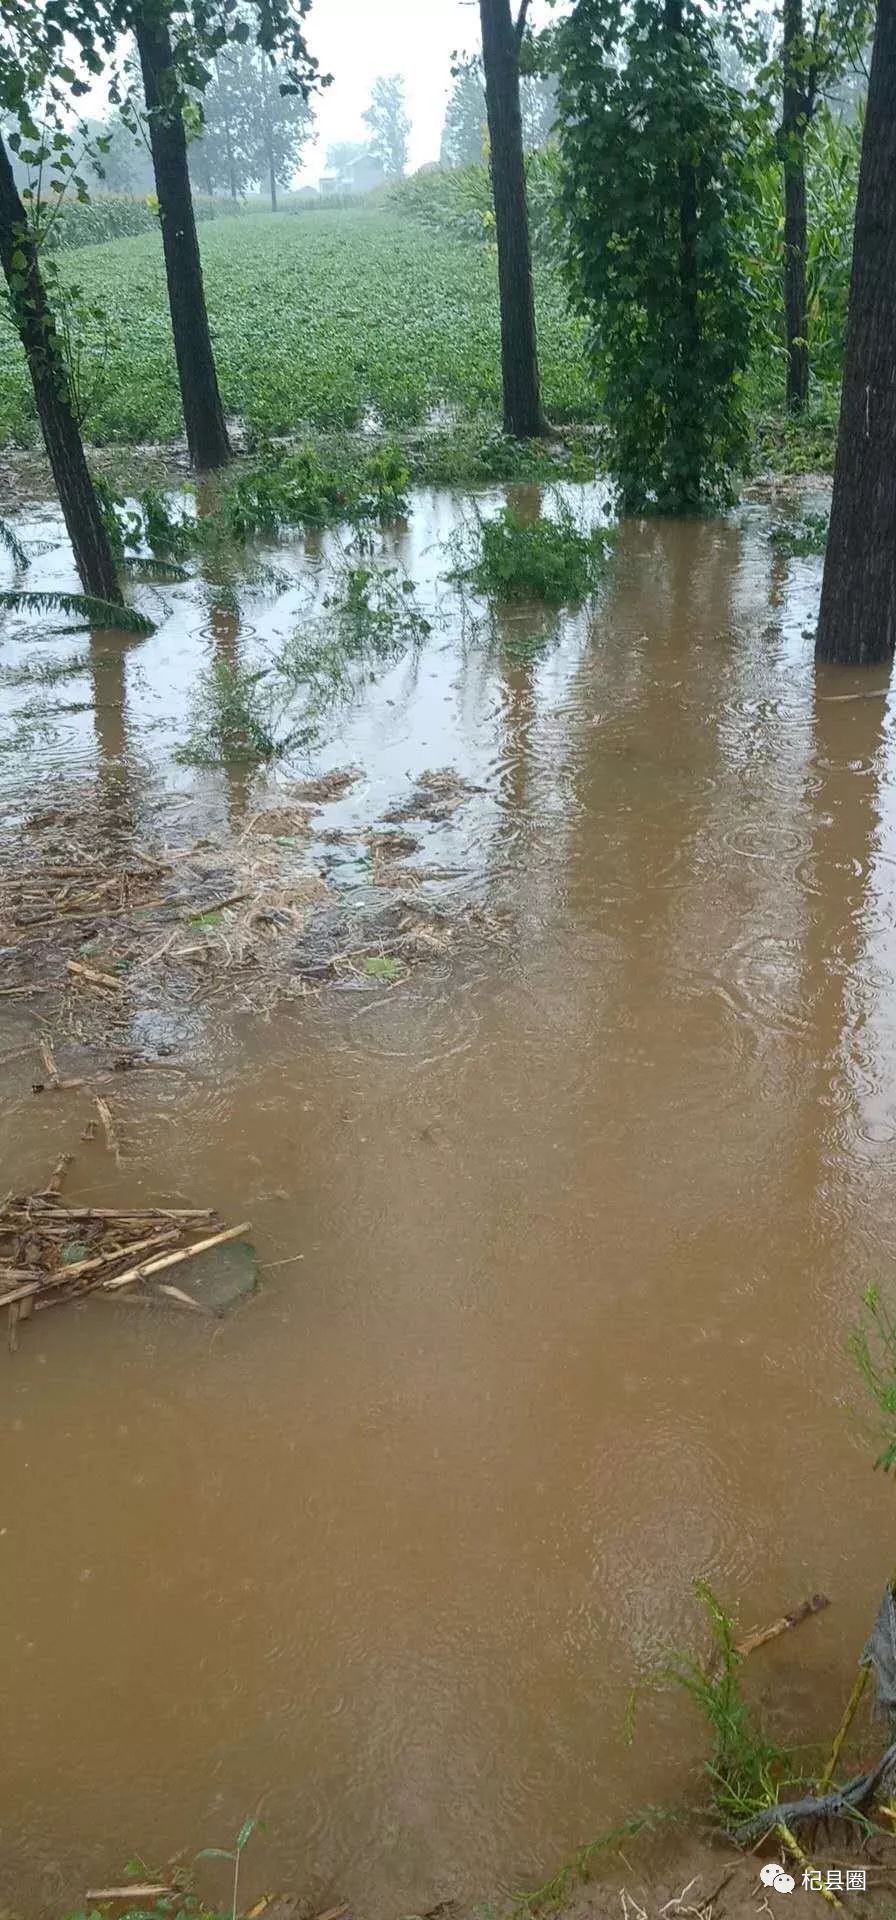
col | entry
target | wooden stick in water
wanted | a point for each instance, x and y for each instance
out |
(148, 1267)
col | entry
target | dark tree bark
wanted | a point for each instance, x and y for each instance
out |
(200, 398)
(52, 393)
(501, 38)
(793, 140)
(857, 621)
(273, 188)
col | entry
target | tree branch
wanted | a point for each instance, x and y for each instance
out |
(520, 27)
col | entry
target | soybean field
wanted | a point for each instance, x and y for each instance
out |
(323, 322)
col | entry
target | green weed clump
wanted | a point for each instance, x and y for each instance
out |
(475, 455)
(248, 715)
(555, 560)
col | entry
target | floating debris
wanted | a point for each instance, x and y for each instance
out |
(327, 786)
(52, 1253)
(436, 796)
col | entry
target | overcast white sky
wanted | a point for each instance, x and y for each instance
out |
(356, 40)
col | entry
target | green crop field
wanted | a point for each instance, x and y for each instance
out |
(318, 322)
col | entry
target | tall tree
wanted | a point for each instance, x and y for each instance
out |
(52, 391)
(282, 125)
(120, 162)
(33, 66)
(465, 125)
(389, 125)
(196, 371)
(176, 41)
(857, 620)
(253, 126)
(815, 52)
(655, 156)
(501, 42)
(218, 156)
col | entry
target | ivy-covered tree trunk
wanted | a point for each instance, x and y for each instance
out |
(52, 392)
(200, 398)
(793, 141)
(857, 621)
(687, 377)
(519, 349)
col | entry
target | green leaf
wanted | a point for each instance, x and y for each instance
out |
(381, 966)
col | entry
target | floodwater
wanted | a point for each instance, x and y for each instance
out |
(563, 1244)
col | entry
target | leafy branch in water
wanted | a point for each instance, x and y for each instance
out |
(94, 613)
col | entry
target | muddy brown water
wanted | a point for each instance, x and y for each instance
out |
(564, 1244)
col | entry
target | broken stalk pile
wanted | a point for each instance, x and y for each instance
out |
(51, 1253)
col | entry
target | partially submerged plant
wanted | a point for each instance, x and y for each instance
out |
(371, 617)
(290, 490)
(744, 1766)
(518, 558)
(808, 534)
(233, 720)
(12, 545)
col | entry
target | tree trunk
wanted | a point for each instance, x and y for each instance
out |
(52, 393)
(857, 621)
(519, 351)
(793, 138)
(200, 398)
(273, 187)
